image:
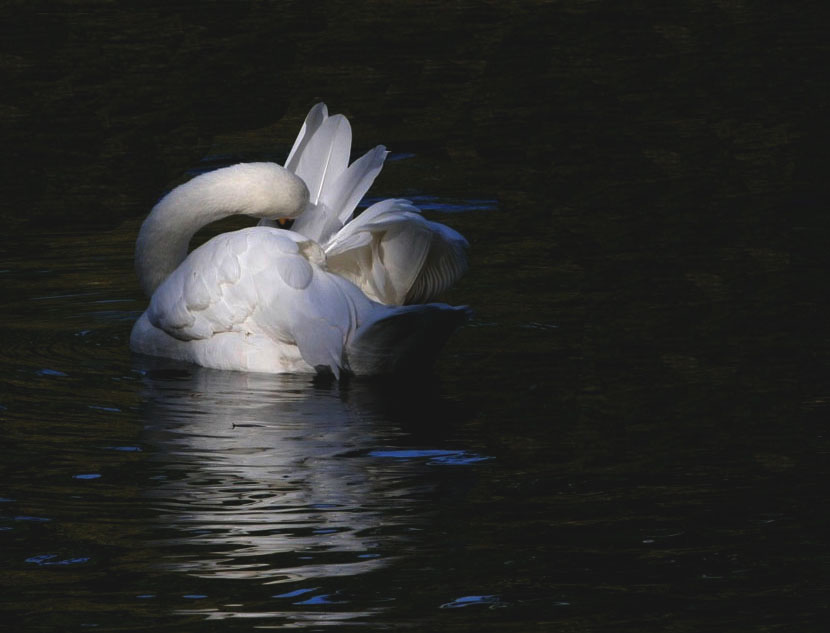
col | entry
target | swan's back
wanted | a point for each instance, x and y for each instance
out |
(254, 300)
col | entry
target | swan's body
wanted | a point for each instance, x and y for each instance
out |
(390, 251)
(264, 299)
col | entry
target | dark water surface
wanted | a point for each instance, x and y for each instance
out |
(631, 435)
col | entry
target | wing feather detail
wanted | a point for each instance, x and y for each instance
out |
(283, 294)
(325, 156)
(348, 190)
(312, 123)
(320, 156)
(396, 256)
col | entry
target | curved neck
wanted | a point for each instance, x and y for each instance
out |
(263, 190)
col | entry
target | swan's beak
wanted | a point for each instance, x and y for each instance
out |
(285, 223)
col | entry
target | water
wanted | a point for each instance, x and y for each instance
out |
(631, 433)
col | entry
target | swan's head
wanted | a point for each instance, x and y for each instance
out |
(267, 190)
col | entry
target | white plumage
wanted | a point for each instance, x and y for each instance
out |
(390, 251)
(269, 300)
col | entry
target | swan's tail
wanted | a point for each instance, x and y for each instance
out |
(403, 339)
(320, 156)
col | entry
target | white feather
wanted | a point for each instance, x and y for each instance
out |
(325, 155)
(412, 259)
(295, 271)
(317, 223)
(348, 190)
(320, 157)
(389, 251)
(312, 123)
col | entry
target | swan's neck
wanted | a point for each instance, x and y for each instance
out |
(263, 190)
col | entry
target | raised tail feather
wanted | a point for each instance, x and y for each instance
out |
(390, 251)
(320, 156)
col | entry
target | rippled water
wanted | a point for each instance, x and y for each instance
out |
(529, 485)
(140, 485)
(630, 435)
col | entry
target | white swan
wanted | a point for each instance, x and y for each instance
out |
(390, 251)
(262, 299)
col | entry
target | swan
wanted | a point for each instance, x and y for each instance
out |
(389, 251)
(264, 299)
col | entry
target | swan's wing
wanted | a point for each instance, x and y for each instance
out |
(318, 313)
(314, 119)
(348, 190)
(204, 295)
(446, 262)
(396, 256)
(325, 155)
(321, 161)
(339, 199)
(316, 223)
(320, 157)
(260, 281)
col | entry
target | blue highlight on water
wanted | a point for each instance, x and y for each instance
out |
(296, 593)
(469, 601)
(24, 517)
(443, 205)
(102, 408)
(321, 599)
(52, 559)
(433, 456)
(51, 372)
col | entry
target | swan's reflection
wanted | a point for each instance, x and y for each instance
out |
(271, 477)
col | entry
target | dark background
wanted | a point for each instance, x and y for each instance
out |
(648, 269)
(670, 155)
(104, 102)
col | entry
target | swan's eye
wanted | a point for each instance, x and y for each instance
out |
(285, 223)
